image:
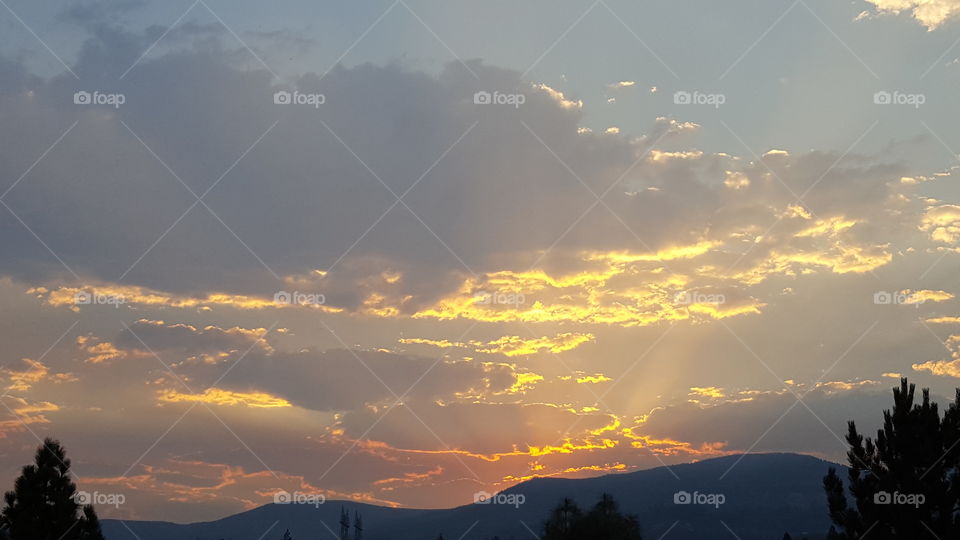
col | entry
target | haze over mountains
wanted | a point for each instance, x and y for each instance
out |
(762, 496)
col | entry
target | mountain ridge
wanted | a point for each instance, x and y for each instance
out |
(763, 496)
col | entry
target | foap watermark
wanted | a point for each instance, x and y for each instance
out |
(498, 98)
(297, 97)
(298, 497)
(508, 499)
(82, 97)
(885, 298)
(499, 298)
(697, 297)
(297, 298)
(707, 499)
(908, 499)
(884, 97)
(84, 498)
(87, 298)
(684, 97)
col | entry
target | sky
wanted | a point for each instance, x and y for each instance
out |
(402, 251)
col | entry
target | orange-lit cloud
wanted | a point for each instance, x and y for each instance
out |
(199, 482)
(23, 413)
(217, 396)
(409, 478)
(567, 472)
(35, 372)
(104, 351)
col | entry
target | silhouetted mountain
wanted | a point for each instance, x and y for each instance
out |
(764, 495)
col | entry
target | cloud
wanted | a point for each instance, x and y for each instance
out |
(572, 265)
(930, 13)
(710, 392)
(19, 414)
(513, 345)
(177, 484)
(146, 334)
(498, 430)
(499, 226)
(260, 375)
(948, 368)
(215, 396)
(926, 295)
(942, 222)
(145, 337)
(76, 298)
(705, 421)
(559, 98)
(35, 372)
(102, 351)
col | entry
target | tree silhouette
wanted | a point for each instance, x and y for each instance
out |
(561, 522)
(904, 483)
(43, 505)
(344, 524)
(286, 535)
(604, 520)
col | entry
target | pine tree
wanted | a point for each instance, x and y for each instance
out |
(43, 505)
(357, 526)
(904, 483)
(286, 535)
(561, 522)
(90, 525)
(344, 524)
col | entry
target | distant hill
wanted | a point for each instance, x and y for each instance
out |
(765, 496)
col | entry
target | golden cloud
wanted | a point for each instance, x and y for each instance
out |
(946, 368)
(35, 372)
(75, 297)
(24, 413)
(616, 288)
(925, 295)
(512, 345)
(942, 223)
(930, 13)
(105, 351)
(217, 396)
(708, 391)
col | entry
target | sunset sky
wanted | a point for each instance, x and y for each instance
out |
(678, 230)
